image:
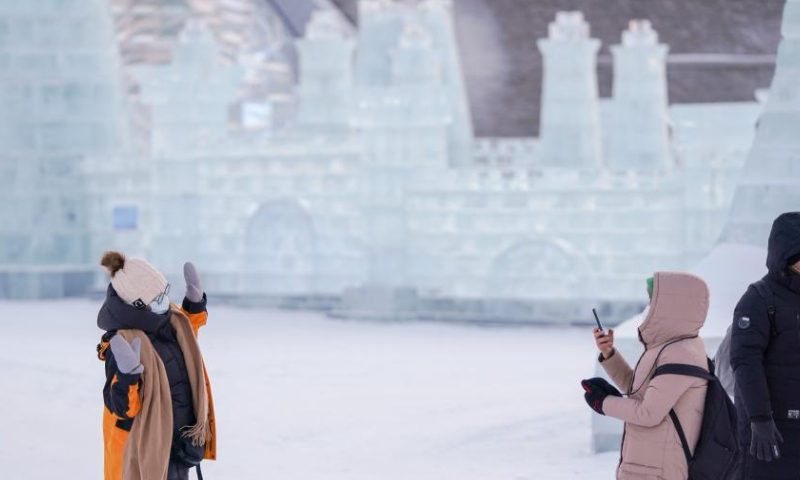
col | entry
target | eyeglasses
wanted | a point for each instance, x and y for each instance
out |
(160, 304)
(162, 295)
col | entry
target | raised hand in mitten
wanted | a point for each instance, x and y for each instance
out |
(194, 289)
(127, 355)
(596, 390)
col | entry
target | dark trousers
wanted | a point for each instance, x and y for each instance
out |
(177, 472)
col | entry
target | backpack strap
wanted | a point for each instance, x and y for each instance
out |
(688, 371)
(685, 370)
(655, 363)
(765, 292)
(199, 472)
(712, 367)
(682, 435)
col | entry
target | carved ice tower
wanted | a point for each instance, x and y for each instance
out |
(638, 134)
(405, 127)
(406, 123)
(189, 97)
(381, 25)
(570, 125)
(770, 182)
(326, 75)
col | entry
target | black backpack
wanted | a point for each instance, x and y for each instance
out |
(717, 454)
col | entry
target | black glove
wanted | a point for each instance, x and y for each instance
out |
(765, 440)
(597, 389)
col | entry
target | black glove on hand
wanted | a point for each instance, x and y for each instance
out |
(765, 440)
(597, 389)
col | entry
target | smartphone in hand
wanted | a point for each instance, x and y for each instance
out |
(597, 319)
(604, 340)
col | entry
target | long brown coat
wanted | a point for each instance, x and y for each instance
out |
(651, 448)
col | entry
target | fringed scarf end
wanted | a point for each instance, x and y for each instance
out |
(199, 433)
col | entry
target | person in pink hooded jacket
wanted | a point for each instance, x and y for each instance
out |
(651, 448)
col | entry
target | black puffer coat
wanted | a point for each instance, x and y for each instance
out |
(765, 355)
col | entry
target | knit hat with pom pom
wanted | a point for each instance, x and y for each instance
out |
(134, 278)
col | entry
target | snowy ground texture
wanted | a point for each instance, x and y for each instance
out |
(302, 397)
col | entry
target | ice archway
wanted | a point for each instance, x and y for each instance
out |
(533, 265)
(280, 249)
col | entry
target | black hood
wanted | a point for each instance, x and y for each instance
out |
(115, 314)
(784, 242)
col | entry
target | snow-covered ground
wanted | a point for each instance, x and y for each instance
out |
(302, 397)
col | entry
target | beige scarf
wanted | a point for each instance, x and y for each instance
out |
(148, 447)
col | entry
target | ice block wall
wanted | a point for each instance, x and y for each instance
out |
(60, 100)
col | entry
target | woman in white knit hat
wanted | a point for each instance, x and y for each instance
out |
(158, 420)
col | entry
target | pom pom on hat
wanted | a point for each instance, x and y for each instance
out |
(133, 278)
(113, 261)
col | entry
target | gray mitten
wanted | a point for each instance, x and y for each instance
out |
(127, 355)
(194, 289)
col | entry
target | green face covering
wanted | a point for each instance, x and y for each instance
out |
(650, 282)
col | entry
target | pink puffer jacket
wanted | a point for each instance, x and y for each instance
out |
(651, 449)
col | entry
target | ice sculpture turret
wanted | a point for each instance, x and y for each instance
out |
(570, 125)
(326, 75)
(190, 97)
(638, 135)
(414, 61)
(770, 182)
(406, 122)
(60, 101)
(382, 24)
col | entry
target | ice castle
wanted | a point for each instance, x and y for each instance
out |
(375, 199)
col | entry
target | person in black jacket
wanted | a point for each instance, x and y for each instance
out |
(765, 356)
